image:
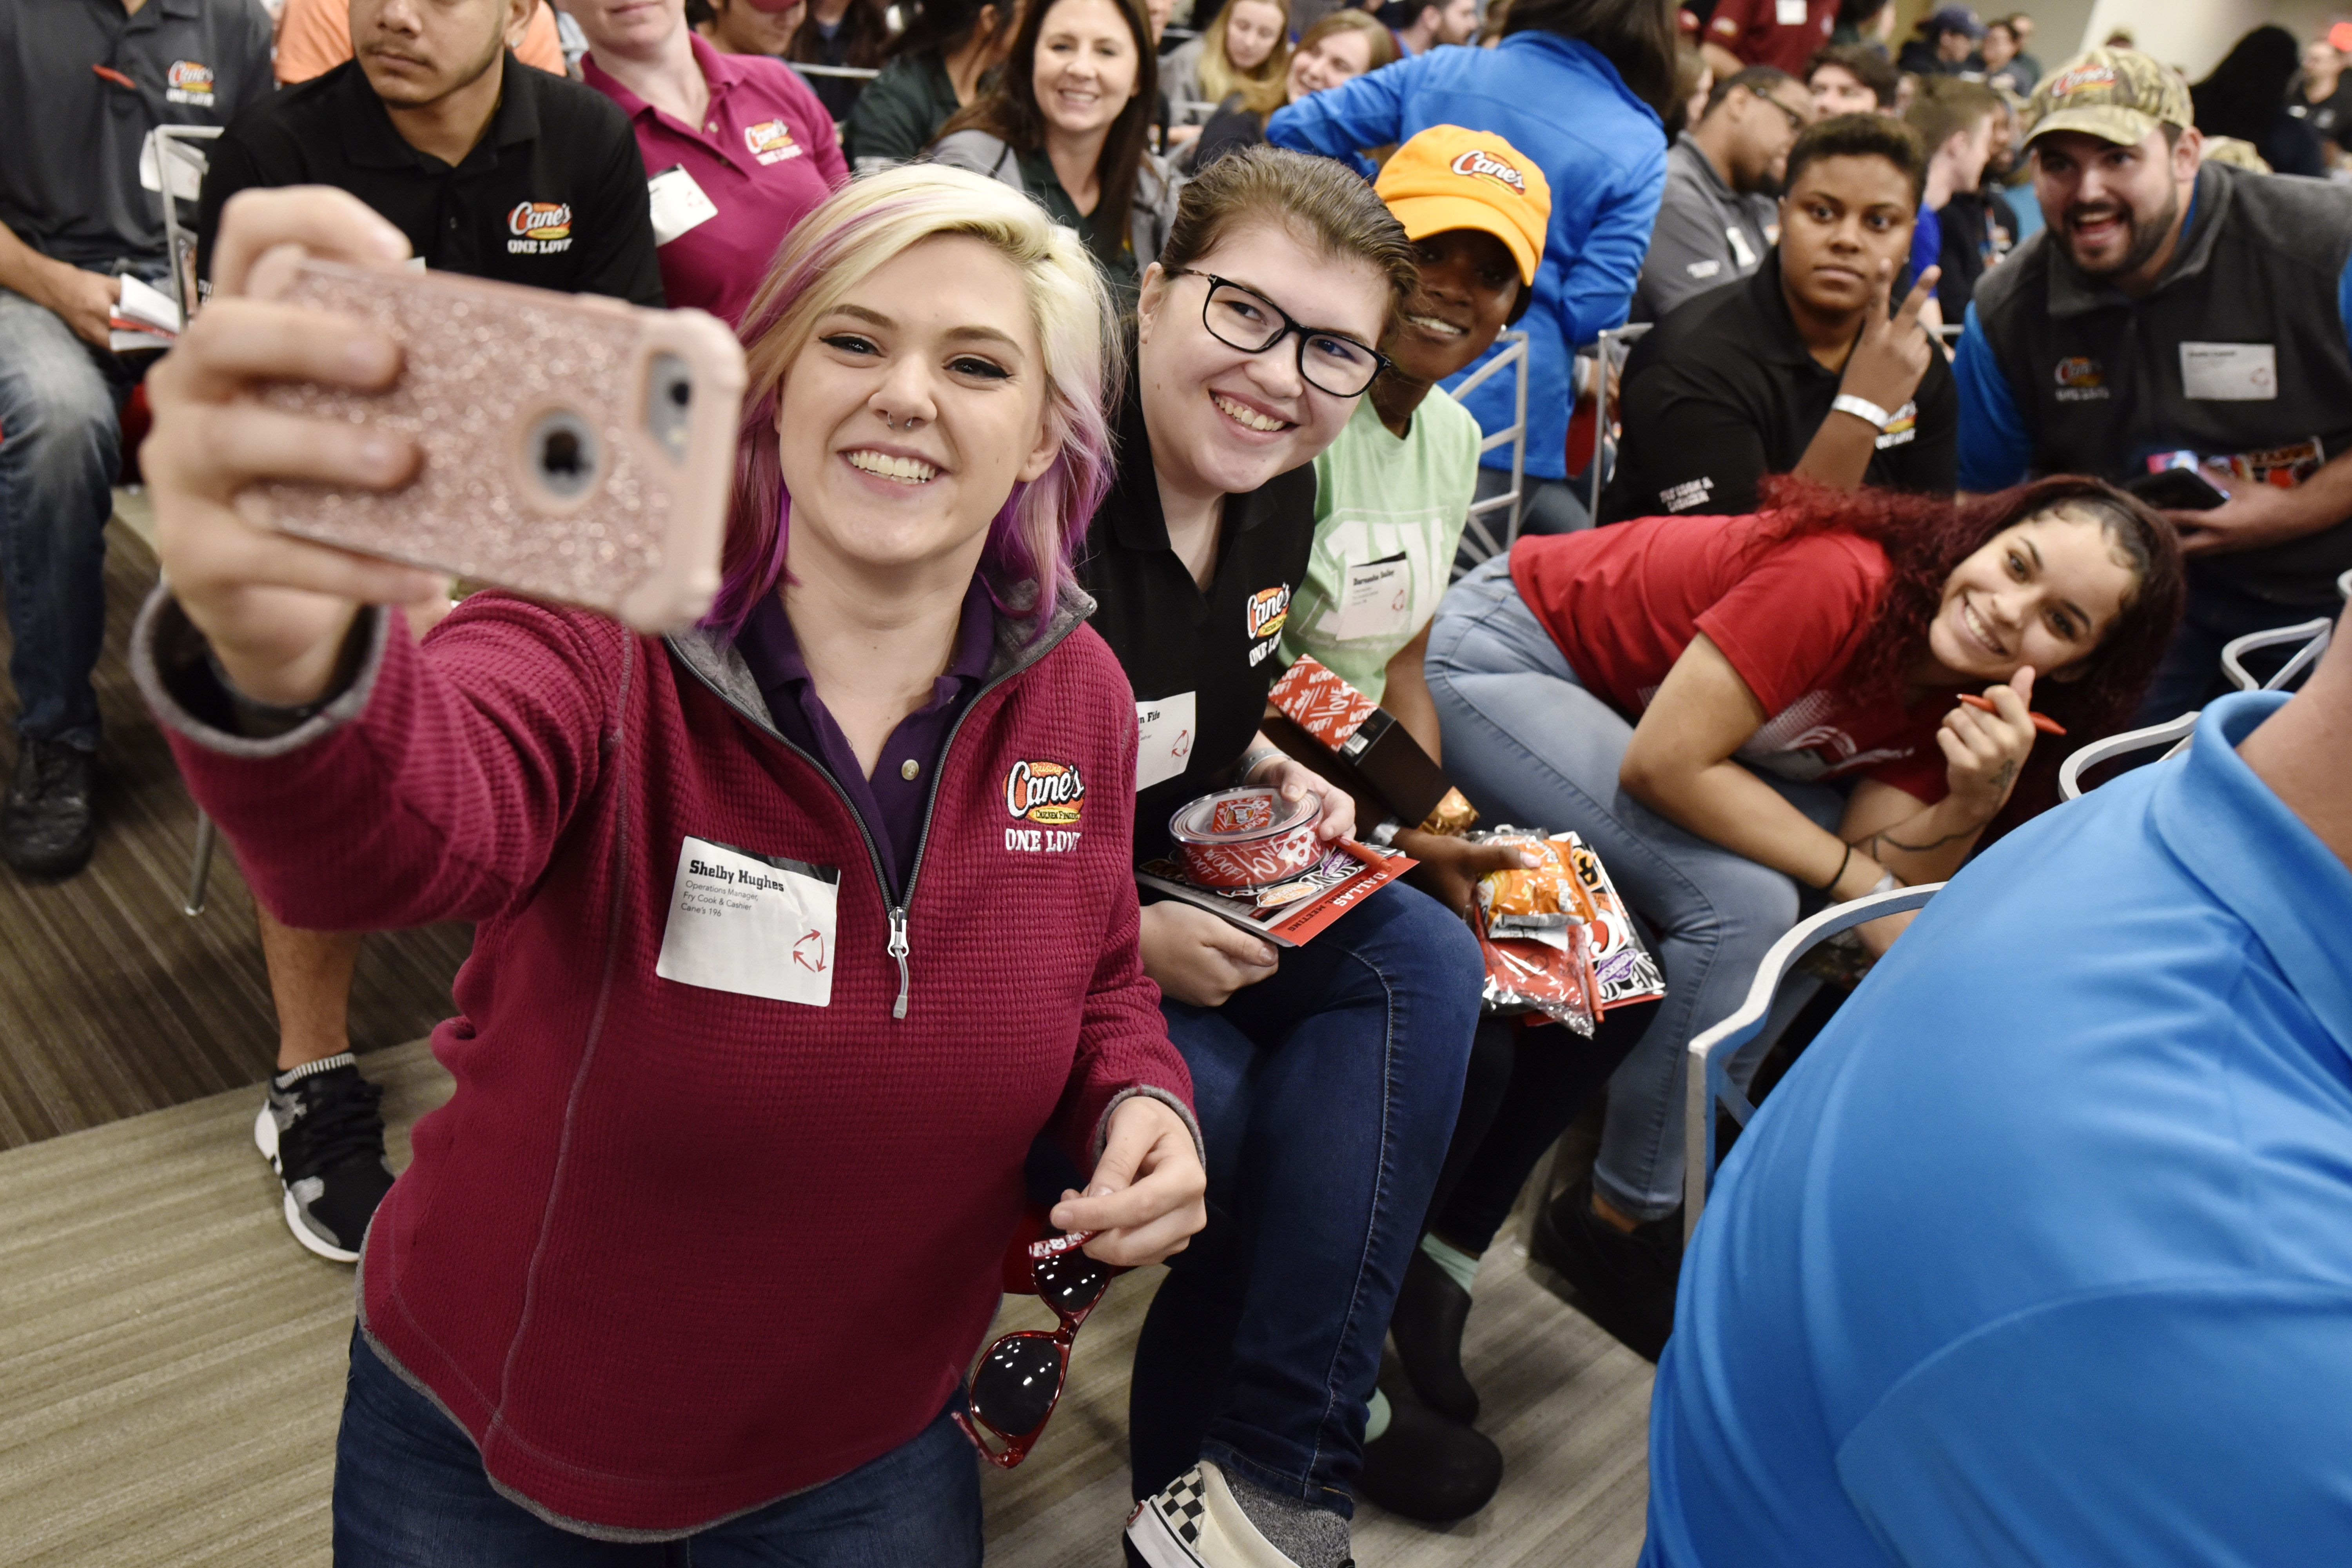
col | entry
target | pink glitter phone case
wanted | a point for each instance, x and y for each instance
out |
(576, 448)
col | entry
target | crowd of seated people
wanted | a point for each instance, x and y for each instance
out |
(1095, 371)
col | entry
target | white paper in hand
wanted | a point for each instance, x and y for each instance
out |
(751, 925)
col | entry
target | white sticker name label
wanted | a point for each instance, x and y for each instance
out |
(753, 926)
(2230, 372)
(1789, 13)
(678, 204)
(1165, 744)
(1376, 600)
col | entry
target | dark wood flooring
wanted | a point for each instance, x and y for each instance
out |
(111, 1000)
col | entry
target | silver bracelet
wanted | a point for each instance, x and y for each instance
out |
(1861, 408)
(1255, 759)
(1384, 836)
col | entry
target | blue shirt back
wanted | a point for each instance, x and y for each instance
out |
(1602, 149)
(2042, 1254)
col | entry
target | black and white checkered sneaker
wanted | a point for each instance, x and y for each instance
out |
(322, 1132)
(1195, 1523)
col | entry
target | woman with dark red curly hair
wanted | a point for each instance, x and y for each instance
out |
(1741, 714)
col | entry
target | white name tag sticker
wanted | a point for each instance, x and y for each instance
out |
(678, 204)
(1168, 734)
(751, 925)
(1376, 600)
(1789, 13)
(1743, 255)
(2230, 372)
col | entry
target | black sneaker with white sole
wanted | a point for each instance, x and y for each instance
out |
(323, 1135)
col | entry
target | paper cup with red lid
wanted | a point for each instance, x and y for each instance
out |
(1238, 840)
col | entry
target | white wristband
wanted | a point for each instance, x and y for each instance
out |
(1863, 408)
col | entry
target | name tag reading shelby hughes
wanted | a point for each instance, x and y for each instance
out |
(750, 924)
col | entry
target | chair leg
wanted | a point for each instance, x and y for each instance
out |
(200, 868)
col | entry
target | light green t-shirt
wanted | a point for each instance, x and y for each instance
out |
(1388, 517)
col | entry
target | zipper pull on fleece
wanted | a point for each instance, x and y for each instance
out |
(898, 952)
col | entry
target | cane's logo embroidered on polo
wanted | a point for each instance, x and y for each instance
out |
(2079, 379)
(1044, 792)
(771, 141)
(539, 228)
(189, 82)
(1479, 163)
(1268, 608)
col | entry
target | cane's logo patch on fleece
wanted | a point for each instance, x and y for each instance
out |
(189, 82)
(539, 228)
(1267, 609)
(1479, 163)
(771, 141)
(1050, 794)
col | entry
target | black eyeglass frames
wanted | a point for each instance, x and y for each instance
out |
(1241, 318)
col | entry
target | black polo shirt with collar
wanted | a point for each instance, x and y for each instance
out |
(1722, 391)
(82, 84)
(553, 195)
(1213, 650)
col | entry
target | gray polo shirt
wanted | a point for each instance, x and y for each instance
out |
(83, 83)
(1707, 235)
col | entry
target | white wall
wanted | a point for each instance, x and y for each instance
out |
(2194, 34)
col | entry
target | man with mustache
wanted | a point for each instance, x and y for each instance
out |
(2175, 312)
(495, 170)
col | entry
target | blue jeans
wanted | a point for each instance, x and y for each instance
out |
(61, 448)
(1326, 1095)
(1528, 744)
(409, 1492)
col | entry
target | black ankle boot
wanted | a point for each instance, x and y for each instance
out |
(1427, 1329)
(1425, 1466)
(1622, 1281)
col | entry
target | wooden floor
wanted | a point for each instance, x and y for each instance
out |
(111, 1000)
(171, 1368)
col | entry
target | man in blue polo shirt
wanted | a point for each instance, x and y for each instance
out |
(2042, 1254)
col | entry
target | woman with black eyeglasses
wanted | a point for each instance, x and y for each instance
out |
(1326, 1078)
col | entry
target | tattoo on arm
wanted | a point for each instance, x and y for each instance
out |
(2002, 778)
(1890, 842)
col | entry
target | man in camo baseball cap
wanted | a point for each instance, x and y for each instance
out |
(2117, 95)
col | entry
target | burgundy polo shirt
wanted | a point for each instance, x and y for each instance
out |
(765, 154)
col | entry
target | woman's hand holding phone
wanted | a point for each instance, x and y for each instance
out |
(275, 609)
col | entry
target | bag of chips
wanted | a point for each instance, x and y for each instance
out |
(1558, 938)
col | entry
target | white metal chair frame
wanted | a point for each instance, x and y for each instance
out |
(1708, 1081)
(1608, 362)
(1510, 354)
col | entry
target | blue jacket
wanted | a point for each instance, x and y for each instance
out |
(1603, 151)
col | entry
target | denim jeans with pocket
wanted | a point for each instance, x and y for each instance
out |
(60, 447)
(1326, 1095)
(409, 1492)
(1529, 745)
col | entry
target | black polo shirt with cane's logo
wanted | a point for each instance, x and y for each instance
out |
(1201, 662)
(552, 195)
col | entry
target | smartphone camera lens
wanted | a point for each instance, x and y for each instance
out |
(564, 454)
(669, 404)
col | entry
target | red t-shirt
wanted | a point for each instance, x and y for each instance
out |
(1783, 33)
(1623, 601)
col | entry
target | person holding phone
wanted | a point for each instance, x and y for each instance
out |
(1808, 366)
(736, 148)
(1328, 1075)
(700, 1248)
(1737, 712)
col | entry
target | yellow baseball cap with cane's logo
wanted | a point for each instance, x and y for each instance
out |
(1448, 177)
